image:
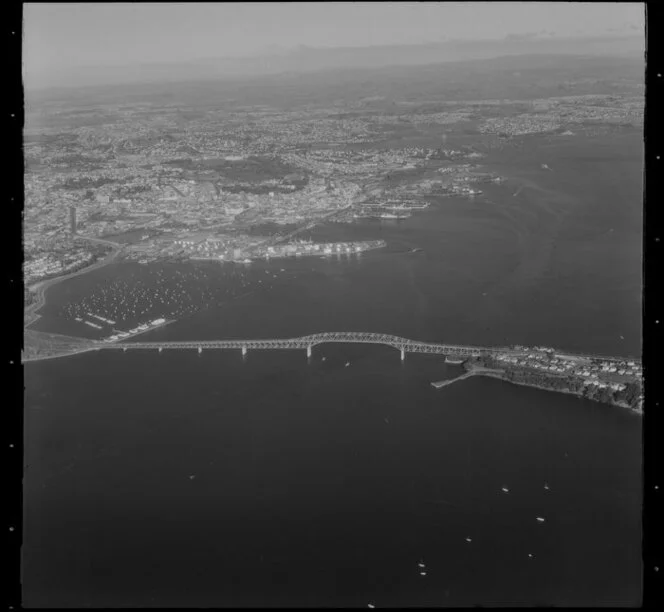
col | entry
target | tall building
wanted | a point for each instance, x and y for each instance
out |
(72, 219)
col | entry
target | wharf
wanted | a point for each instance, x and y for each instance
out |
(136, 333)
(443, 383)
(475, 371)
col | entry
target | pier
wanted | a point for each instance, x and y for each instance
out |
(443, 383)
(476, 371)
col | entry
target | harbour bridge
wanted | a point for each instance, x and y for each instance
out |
(404, 345)
(49, 346)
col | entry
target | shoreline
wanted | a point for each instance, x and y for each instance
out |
(90, 345)
(565, 391)
(59, 355)
(30, 314)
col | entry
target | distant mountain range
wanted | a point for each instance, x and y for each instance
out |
(311, 59)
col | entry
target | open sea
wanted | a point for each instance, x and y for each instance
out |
(184, 480)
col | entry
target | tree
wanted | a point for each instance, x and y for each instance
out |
(632, 393)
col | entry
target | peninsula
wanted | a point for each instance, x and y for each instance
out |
(618, 382)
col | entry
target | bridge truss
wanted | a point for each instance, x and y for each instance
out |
(307, 342)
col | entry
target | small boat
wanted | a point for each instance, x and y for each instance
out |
(370, 606)
(323, 359)
(347, 364)
(423, 573)
(530, 556)
(546, 487)
(505, 490)
(421, 564)
(540, 519)
(468, 540)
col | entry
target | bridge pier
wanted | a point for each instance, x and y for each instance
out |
(200, 350)
(161, 348)
(244, 351)
(403, 354)
(124, 349)
(308, 351)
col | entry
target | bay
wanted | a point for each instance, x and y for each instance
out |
(179, 479)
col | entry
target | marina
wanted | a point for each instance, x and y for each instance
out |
(135, 294)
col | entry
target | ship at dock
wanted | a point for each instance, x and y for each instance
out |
(454, 360)
(393, 215)
(393, 206)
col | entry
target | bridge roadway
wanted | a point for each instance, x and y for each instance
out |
(308, 342)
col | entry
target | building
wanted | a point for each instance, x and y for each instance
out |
(72, 219)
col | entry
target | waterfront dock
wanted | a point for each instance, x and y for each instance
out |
(475, 371)
(443, 383)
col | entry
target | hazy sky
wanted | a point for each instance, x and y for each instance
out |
(62, 36)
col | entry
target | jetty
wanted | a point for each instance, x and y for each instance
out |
(474, 372)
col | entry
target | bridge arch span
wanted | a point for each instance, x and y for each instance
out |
(355, 338)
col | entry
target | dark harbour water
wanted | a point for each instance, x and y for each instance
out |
(320, 484)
